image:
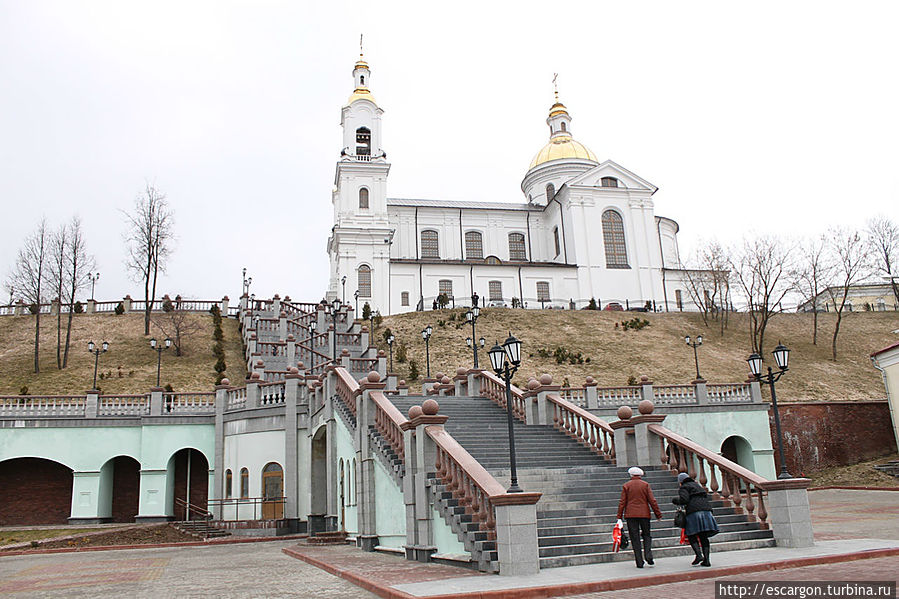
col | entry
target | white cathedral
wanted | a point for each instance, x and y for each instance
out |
(585, 230)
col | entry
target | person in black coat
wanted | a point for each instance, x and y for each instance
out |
(700, 522)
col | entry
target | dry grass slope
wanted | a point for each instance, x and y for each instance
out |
(657, 351)
(129, 366)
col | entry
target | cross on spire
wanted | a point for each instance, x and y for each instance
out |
(556, 87)
(360, 45)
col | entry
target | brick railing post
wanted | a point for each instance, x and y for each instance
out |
(592, 397)
(702, 392)
(224, 307)
(345, 359)
(403, 388)
(382, 363)
(755, 392)
(291, 349)
(543, 412)
(423, 457)
(253, 391)
(461, 382)
(276, 304)
(646, 388)
(516, 534)
(156, 401)
(364, 338)
(788, 512)
(474, 382)
(91, 403)
(126, 303)
(91, 306)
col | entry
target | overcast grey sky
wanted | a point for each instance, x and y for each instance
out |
(765, 116)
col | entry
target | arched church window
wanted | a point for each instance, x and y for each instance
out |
(563, 126)
(429, 245)
(550, 191)
(556, 240)
(228, 481)
(516, 247)
(404, 298)
(244, 483)
(363, 198)
(363, 141)
(364, 280)
(493, 260)
(613, 239)
(496, 291)
(474, 246)
(609, 182)
(362, 79)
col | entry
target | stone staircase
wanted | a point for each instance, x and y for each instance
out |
(201, 529)
(580, 490)
(891, 468)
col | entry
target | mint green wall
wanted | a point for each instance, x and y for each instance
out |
(390, 511)
(710, 429)
(345, 450)
(445, 539)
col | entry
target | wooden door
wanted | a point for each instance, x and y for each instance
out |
(272, 492)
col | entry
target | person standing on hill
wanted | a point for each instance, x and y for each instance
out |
(701, 523)
(636, 501)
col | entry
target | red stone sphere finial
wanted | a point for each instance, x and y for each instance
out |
(373, 377)
(646, 406)
(546, 379)
(226, 382)
(625, 413)
(414, 412)
(430, 407)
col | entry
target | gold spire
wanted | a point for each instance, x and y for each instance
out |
(361, 91)
(361, 62)
(557, 107)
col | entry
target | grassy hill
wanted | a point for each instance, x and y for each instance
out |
(128, 367)
(658, 350)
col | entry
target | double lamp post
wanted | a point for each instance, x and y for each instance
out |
(92, 348)
(782, 358)
(505, 360)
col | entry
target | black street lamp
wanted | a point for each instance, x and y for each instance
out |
(92, 277)
(356, 297)
(694, 344)
(390, 340)
(474, 345)
(426, 335)
(247, 281)
(97, 351)
(505, 360)
(335, 310)
(472, 317)
(343, 284)
(159, 349)
(782, 357)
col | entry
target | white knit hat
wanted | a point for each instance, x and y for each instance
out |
(634, 471)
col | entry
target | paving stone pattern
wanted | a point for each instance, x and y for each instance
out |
(243, 570)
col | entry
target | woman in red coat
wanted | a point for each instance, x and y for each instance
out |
(636, 501)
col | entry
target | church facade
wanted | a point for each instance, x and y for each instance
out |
(584, 230)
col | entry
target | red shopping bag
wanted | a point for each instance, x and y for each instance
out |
(683, 537)
(616, 538)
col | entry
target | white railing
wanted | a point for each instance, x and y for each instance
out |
(237, 398)
(729, 393)
(189, 403)
(674, 394)
(575, 395)
(271, 393)
(123, 405)
(40, 406)
(617, 396)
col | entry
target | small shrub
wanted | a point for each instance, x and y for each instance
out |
(386, 334)
(366, 311)
(220, 365)
(413, 370)
(102, 376)
(34, 308)
(219, 378)
(635, 324)
(119, 372)
(516, 303)
(631, 380)
(401, 353)
(23, 390)
(130, 373)
(378, 319)
(648, 306)
(167, 305)
(215, 311)
(217, 334)
(120, 309)
(35, 543)
(441, 323)
(78, 308)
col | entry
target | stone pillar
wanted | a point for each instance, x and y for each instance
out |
(345, 359)
(423, 456)
(702, 392)
(391, 381)
(634, 444)
(218, 488)
(282, 325)
(291, 349)
(755, 391)
(364, 338)
(474, 382)
(153, 504)
(224, 307)
(91, 306)
(516, 534)
(646, 388)
(156, 401)
(367, 539)
(382, 363)
(253, 391)
(126, 302)
(543, 410)
(91, 403)
(403, 388)
(592, 395)
(276, 305)
(91, 497)
(291, 467)
(251, 346)
(461, 382)
(788, 512)
(54, 306)
(427, 385)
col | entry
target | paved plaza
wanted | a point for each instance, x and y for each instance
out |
(845, 521)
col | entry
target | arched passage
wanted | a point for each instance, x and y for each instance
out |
(188, 473)
(319, 504)
(122, 489)
(737, 449)
(34, 491)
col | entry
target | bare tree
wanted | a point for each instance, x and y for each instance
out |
(851, 264)
(178, 326)
(28, 275)
(811, 275)
(78, 265)
(149, 240)
(56, 279)
(762, 266)
(883, 242)
(708, 282)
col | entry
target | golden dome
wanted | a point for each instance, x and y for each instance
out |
(558, 108)
(360, 64)
(361, 93)
(562, 146)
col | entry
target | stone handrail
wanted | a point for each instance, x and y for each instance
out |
(271, 393)
(38, 406)
(494, 388)
(190, 403)
(347, 389)
(729, 392)
(674, 394)
(575, 395)
(682, 455)
(271, 348)
(349, 338)
(236, 398)
(123, 405)
(617, 396)
(363, 365)
(388, 422)
(475, 488)
(583, 426)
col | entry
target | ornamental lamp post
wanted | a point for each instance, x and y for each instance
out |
(782, 358)
(92, 348)
(92, 277)
(356, 297)
(694, 344)
(390, 340)
(159, 349)
(343, 284)
(335, 310)
(472, 317)
(505, 360)
(475, 345)
(426, 335)
(247, 281)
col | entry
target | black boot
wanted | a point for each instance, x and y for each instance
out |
(706, 549)
(697, 550)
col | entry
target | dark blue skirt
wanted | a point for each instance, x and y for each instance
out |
(702, 521)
